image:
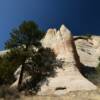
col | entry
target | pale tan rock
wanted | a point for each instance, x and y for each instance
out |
(89, 51)
(96, 41)
(24, 82)
(2, 53)
(69, 78)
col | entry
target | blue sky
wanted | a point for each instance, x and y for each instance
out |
(81, 16)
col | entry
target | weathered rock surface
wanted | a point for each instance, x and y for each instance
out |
(69, 78)
(2, 53)
(89, 51)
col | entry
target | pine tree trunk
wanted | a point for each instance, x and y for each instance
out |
(21, 77)
(22, 71)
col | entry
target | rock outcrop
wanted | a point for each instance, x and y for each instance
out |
(69, 77)
(89, 51)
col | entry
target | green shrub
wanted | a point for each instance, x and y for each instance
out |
(8, 94)
(88, 35)
(8, 65)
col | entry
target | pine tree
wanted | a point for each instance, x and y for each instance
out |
(22, 38)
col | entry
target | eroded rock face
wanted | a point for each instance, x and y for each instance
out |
(69, 78)
(89, 51)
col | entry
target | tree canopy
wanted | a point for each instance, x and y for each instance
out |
(26, 34)
(24, 44)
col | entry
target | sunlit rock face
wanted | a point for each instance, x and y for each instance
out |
(61, 42)
(89, 51)
(2, 53)
(96, 41)
(68, 78)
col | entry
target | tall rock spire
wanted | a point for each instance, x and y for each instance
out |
(69, 78)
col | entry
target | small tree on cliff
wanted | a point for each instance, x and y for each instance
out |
(22, 38)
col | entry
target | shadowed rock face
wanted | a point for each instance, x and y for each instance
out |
(69, 78)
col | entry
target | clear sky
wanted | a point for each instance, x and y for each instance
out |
(81, 16)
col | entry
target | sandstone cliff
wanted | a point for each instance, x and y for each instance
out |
(69, 78)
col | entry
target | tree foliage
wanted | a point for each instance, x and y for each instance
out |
(24, 44)
(26, 34)
(22, 39)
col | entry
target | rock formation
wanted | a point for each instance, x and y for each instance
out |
(89, 51)
(68, 78)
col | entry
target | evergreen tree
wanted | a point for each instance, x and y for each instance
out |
(25, 44)
(22, 39)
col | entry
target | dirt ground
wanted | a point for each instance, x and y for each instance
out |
(71, 96)
(86, 95)
(79, 95)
